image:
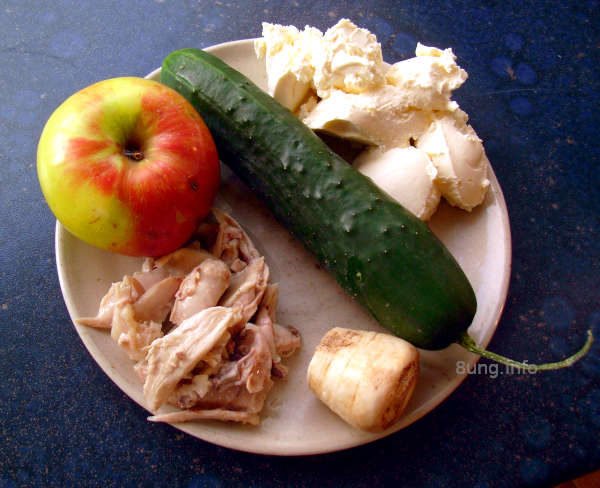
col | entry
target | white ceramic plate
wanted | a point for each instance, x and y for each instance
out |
(294, 421)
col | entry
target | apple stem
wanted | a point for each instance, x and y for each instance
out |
(135, 154)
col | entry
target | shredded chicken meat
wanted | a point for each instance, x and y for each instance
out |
(200, 325)
(200, 289)
(232, 244)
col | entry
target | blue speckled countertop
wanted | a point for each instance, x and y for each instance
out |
(532, 95)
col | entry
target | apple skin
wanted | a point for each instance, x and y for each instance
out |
(128, 165)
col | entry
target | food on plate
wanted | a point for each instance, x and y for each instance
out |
(379, 252)
(459, 158)
(365, 377)
(174, 356)
(290, 88)
(413, 177)
(343, 87)
(129, 166)
(200, 289)
(200, 325)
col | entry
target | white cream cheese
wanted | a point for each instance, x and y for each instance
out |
(288, 54)
(379, 117)
(418, 138)
(345, 58)
(428, 79)
(459, 158)
(350, 60)
(406, 174)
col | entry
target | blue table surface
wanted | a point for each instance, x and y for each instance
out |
(533, 97)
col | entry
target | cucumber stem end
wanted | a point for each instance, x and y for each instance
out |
(469, 344)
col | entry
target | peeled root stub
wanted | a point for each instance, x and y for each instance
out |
(365, 377)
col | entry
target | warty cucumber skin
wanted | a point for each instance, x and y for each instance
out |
(380, 253)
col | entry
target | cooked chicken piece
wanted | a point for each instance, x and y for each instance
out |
(214, 363)
(126, 291)
(230, 396)
(200, 289)
(187, 394)
(175, 355)
(287, 340)
(283, 340)
(131, 334)
(213, 414)
(135, 325)
(239, 385)
(267, 310)
(183, 261)
(265, 317)
(141, 368)
(148, 264)
(176, 264)
(233, 244)
(197, 384)
(246, 289)
(156, 302)
(149, 276)
(254, 368)
(135, 314)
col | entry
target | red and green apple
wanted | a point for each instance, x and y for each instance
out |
(128, 165)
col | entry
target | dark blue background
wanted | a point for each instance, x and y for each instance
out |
(533, 96)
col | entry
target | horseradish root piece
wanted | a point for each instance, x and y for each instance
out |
(365, 377)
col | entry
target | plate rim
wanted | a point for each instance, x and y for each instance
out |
(224, 441)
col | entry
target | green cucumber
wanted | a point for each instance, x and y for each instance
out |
(380, 253)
